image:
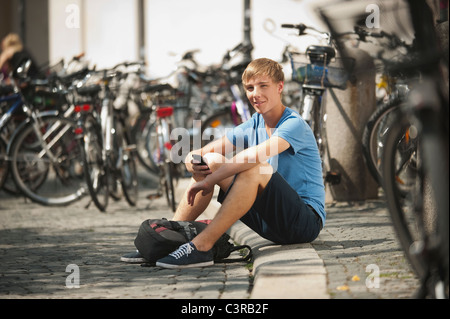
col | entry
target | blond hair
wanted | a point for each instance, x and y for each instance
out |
(12, 41)
(263, 67)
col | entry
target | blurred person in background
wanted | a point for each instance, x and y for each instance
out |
(13, 54)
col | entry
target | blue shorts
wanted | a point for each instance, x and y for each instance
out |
(280, 215)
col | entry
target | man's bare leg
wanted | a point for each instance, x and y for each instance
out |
(238, 202)
(186, 212)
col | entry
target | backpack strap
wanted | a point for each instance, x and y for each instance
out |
(187, 227)
(246, 258)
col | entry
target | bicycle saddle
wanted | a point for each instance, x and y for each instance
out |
(319, 54)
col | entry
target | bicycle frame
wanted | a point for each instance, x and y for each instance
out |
(33, 116)
(316, 76)
(163, 132)
(163, 150)
(17, 104)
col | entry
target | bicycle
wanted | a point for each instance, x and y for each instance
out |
(161, 154)
(90, 138)
(143, 131)
(11, 104)
(415, 156)
(44, 158)
(395, 89)
(237, 110)
(109, 156)
(44, 96)
(193, 98)
(159, 123)
(317, 70)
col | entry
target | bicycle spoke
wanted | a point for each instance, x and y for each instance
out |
(48, 174)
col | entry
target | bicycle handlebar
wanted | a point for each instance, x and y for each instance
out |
(394, 40)
(128, 64)
(301, 27)
(241, 47)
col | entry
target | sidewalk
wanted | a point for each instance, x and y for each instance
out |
(356, 256)
(74, 252)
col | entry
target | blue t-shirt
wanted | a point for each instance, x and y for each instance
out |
(300, 165)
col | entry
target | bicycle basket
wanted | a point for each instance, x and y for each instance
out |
(333, 75)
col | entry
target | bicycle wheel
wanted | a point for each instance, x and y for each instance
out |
(374, 135)
(169, 185)
(434, 150)
(96, 172)
(318, 126)
(3, 163)
(46, 161)
(128, 170)
(216, 126)
(113, 161)
(406, 191)
(143, 138)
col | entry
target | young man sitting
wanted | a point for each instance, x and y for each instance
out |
(274, 185)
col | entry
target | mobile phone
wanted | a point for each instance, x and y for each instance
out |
(198, 158)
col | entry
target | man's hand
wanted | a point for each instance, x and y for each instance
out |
(197, 187)
(193, 166)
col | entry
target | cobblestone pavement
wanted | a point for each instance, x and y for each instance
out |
(42, 249)
(361, 253)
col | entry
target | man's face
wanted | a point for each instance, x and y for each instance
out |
(263, 93)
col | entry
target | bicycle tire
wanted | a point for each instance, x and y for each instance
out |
(318, 127)
(128, 170)
(169, 186)
(96, 172)
(6, 181)
(404, 219)
(434, 148)
(162, 156)
(151, 145)
(113, 161)
(51, 183)
(374, 134)
(141, 134)
(3, 163)
(215, 126)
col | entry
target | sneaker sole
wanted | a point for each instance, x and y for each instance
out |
(133, 260)
(170, 266)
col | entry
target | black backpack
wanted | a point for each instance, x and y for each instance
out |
(157, 238)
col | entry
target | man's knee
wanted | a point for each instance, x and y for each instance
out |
(214, 160)
(260, 173)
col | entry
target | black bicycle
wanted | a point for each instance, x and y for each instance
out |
(415, 156)
(43, 154)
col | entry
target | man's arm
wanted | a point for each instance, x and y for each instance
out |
(249, 158)
(221, 146)
(243, 161)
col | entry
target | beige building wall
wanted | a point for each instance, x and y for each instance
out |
(105, 30)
